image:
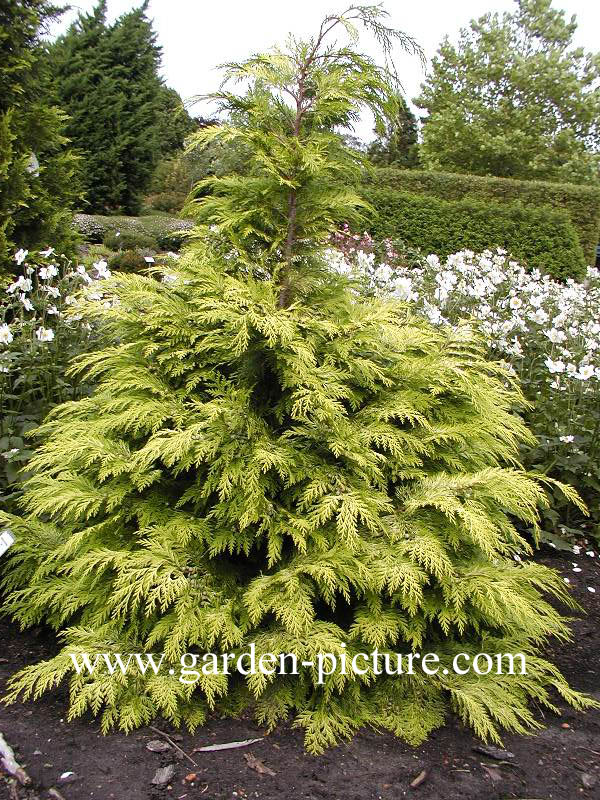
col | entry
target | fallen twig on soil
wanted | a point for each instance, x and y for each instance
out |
(173, 744)
(421, 777)
(210, 748)
(10, 764)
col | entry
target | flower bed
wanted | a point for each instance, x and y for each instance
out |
(547, 332)
(41, 330)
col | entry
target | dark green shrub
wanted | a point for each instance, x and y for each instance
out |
(580, 203)
(172, 202)
(539, 237)
(128, 261)
(172, 240)
(129, 240)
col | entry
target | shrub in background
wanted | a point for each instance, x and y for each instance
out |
(271, 458)
(173, 239)
(174, 178)
(540, 237)
(581, 203)
(166, 231)
(128, 261)
(129, 240)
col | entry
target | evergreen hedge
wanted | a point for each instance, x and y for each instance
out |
(581, 203)
(542, 238)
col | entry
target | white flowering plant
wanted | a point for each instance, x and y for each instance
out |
(41, 329)
(547, 333)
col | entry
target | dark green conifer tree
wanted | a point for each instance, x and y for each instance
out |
(107, 79)
(397, 145)
(174, 122)
(38, 187)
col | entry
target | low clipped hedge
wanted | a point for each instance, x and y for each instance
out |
(164, 232)
(539, 237)
(580, 203)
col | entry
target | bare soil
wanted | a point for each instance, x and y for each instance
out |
(560, 763)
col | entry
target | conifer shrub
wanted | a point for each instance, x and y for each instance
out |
(272, 459)
(128, 261)
(129, 240)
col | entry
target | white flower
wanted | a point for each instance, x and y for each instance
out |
(20, 256)
(383, 273)
(70, 299)
(514, 348)
(571, 369)
(515, 302)
(403, 289)
(48, 272)
(433, 314)
(554, 366)
(101, 268)
(52, 310)
(6, 336)
(44, 334)
(539, 316)
(10, 453)
(168, 277)
(27, 304)
(585, 372)
(22, 284)
(567, 439)
(52, 291)
(555, 336)
(47, 253)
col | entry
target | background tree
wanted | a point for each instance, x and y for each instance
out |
(122, 117)
(175, 177)
(398, 144)
(38, 185)
(173, 122)
(514, 99)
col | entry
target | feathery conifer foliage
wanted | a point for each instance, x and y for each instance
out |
(271, 458)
